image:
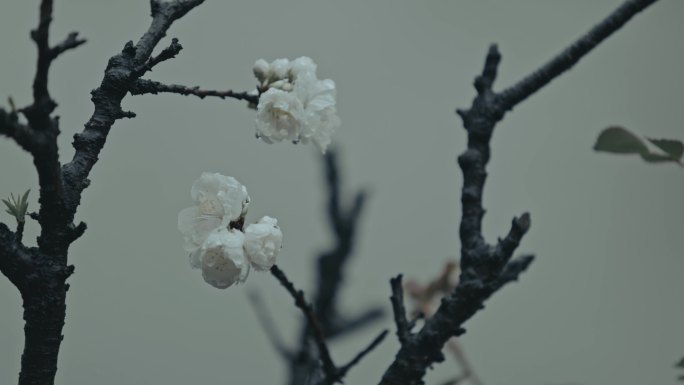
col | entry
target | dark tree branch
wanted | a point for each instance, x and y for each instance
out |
(344, 223)
(70, 42)
(164, 13)
(15, 261)
(344, 325)
(167, 53)
(572, 54)
(331, 373)
(19, 234)
(376, 341)
(12, 128)
(144, 86)
(40, 273)
(485, 268)
(397, 299)
(325, 322)
(120, 76)
(40, 35)
(44, 129)
(328, 366)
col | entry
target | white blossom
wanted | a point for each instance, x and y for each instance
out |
(263, 241)
(297, 105)
(219, 200)
(279, 116)
(320, 114)
(222, 259)
(302, 65)
(213, 232)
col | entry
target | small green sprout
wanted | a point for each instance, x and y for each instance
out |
(17, 206)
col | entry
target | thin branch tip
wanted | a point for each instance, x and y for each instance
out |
(484, 82)
(376, 342)
(399, 310)
(524, 222)
(572, 54)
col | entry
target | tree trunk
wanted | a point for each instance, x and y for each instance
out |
(44, 312)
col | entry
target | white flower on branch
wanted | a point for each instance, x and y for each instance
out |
(222, 258)
(213, 232)
(302, 65)
(219, 200)
(320, 114)
(263, 241)
(297, 106)
(280, 116)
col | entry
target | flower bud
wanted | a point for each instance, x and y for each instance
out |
(279, 68)
(260, 69)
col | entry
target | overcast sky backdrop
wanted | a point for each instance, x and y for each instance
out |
(602, 304)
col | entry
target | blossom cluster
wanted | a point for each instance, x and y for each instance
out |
(214, 236)
(296, 105)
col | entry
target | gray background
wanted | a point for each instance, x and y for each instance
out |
(601, 305)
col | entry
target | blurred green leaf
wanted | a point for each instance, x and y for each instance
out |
(673, 148)
(618, 140)
(656, 158)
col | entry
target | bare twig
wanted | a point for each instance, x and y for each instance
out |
(376, 341)
(12, 128)
(332, 373)
(328, 366)
(167, 53)
(343, 221)
(70, 42)
(144, 86)
(573, 53)
(43, 135)
(486, 268)
(397, 299)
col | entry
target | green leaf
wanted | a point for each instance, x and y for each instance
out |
(10, 207)
(18, 206)
(656, 158)
(618, 140)
(673, 148)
